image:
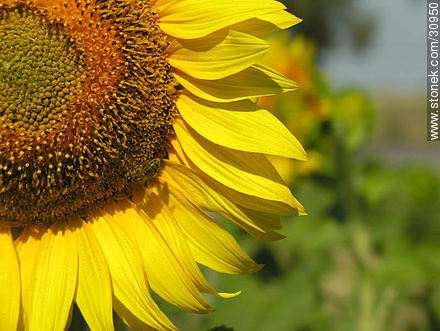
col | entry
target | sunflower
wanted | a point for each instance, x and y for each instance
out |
(125, 125)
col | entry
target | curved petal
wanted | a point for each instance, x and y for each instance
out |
(164, 273)
(125, 265)
(164, 221)
(256, 81)
(95, 305)
(218, 55)
(202, 192)
(265, 24)
(191, 19)
(261, 205)
(9, 281)
(177, 155)
(210, 243)
(49, 267)
(248, 173)
(240, 125)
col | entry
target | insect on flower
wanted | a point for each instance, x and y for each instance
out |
(148, 171)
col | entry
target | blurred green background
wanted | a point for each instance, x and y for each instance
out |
(367, 257)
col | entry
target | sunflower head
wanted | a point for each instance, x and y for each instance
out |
(124, 126)
(87, 103)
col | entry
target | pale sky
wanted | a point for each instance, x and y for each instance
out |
(396, 58)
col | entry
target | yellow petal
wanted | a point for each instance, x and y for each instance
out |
(203, 192)
(129, 318)
(177, 155)
(261, 205)
(269, 221)
(256, 81)
(191, 19)
(248, 173)
(94, 293)
(69, 319)
(218, 55)
(49, 265)
(163, 271)
(9, 282)
(27, 246)
(265, 24)
(164, 221)
(125, 265)
(210, 243)
(240, 125)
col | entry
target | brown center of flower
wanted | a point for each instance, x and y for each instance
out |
(86, 105)
(40, 69)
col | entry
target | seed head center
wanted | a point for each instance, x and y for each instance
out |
(39, 69)
(87, 99)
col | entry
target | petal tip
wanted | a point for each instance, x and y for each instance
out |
(229, 295)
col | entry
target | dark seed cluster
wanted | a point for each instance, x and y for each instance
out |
(86, 100)
(40, 69)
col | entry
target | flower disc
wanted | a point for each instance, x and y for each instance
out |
(86, 102)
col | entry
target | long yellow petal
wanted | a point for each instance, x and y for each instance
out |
(256, 81)
(248, 173)
(128, 279)
(253, 82)
(94, 293)
(210, 243)
(265, 24)
(203, 192)
(164, 221)
(218, 55)
(9, 282)
(49, 276)
(27, 249)
(177, 155)
(163, 271)
(191, 19)
(261, 205)
(240, 125)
